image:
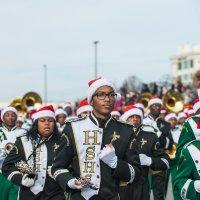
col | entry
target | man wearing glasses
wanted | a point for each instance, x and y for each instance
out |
(98, 148)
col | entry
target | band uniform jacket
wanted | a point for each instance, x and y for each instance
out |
(83, 156)
(162, 129)
(147, 143)
(45, 186)
(188, 171)
(189, 132)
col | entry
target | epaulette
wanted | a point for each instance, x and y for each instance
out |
(149, 128)
(74, 119)
(187, 144)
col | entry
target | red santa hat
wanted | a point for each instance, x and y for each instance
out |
(60, 111)
(170, 116)
(131, 110)
(139, 105)
(196, 105)
(154, 100)
(7, 109)
(182, 115)
(94, 85)
(83, 107)
(46, 111)
(115, 112)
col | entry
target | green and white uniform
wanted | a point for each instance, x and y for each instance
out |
(9, 191)
(188, 171)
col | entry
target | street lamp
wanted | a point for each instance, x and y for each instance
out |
(45, 84)
(95, 58)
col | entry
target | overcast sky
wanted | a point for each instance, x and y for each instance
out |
(136, 37)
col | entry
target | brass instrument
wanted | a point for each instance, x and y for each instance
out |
(172, 152)
(144, 98)
(173, 101)
(29, 99)
(18, 105)
(8, 147)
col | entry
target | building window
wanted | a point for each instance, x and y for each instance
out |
(185, 64)
(179, 66)
(191, 63)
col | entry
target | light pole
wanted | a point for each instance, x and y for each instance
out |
(95, 59)
(45, 84)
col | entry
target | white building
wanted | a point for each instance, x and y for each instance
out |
(185, 63)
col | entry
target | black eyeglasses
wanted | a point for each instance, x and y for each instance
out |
(103, 95)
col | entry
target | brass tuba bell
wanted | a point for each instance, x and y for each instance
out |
(31, 99)
(18, 105)
(144, 98)
(173, 101)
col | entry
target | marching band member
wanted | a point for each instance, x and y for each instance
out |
(162, 129)
(181, 118)
(60, 115)
(98, 148)
(187, 179)
(175, 131)
(8, 134)
(150, 154)
(84, 109)
(19, 122)
(32, 155)
(115, 114)
(190, 130)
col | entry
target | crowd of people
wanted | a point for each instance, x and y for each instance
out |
(110, 147)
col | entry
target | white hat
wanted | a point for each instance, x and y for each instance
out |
(131, 110)
(7, 109)
(155, 100)
(94, 85)
(60, 111)
(46, 111)
(115, 112)
(170, 116)
(20, 118)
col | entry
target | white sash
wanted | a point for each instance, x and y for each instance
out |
(195, 154)
(194, 128)
(41, 163)
(88, 139)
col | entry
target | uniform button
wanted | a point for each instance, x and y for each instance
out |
(42, 185)
(97, 176)
(43, 177)
(97, 165)
(44, 168)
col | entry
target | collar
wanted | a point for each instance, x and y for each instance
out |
(98, 121)
(5, 128)
(149, 115)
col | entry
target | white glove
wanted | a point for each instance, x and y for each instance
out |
(145, 160)
(26, 181)
(197, 185)
(108, 156)
(74, 184)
